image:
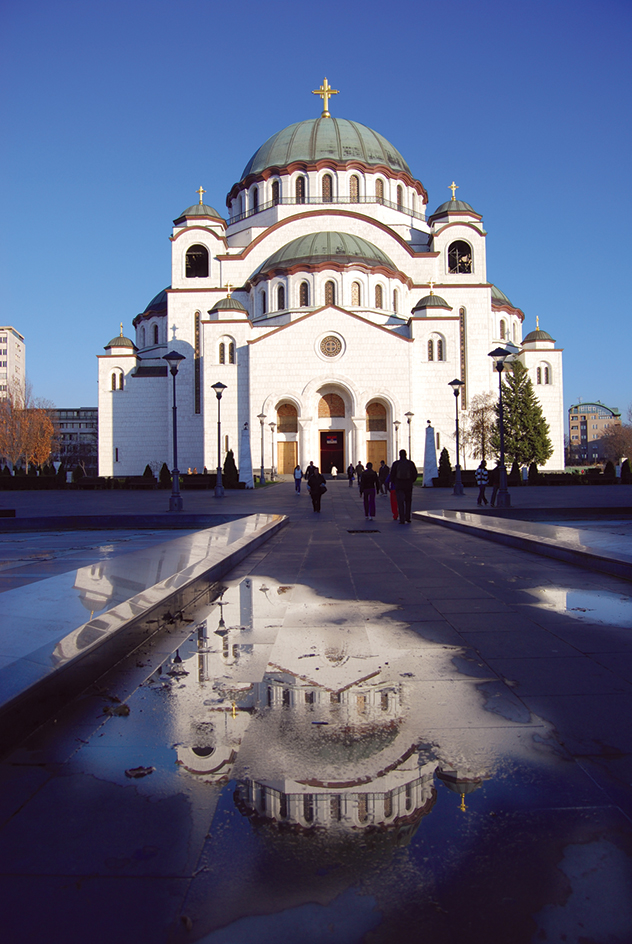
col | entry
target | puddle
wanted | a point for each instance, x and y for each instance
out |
(316, 769)
(592, 606)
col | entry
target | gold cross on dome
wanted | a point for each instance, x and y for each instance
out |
(121, 329)
(229, 289)
(453, 187)
(431, 284)
(201, 190)
(537, 322)
(325, 91)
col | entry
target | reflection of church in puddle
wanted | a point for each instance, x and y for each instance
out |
(322, 727)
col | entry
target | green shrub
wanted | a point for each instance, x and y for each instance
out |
(609, 469)
(514, 478)
(148, 474)
(230, 477)
(533, 472)
(77, 473)
(625, 468)
(445, 469)
(165, 476)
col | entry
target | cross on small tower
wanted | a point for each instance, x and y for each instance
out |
(453, 187)
(325, 91)
(121, 329)
(201, 190)
(229, 289)
(431, 283)
(537, 322)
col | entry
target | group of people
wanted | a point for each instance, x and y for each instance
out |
(485, 478)
(397, 481)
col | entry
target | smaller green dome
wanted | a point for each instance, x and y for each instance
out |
(499, 298)
(227, 304)
(431, 301)
(316, 248)
(537, 335)
(120, 341)
(454, 206)
(158, 304)
(198, 209)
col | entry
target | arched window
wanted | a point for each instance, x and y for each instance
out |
(264, 303)
(196, 263)
(222, 353)
(276, 191)
(281, 298)
(460, 257)
(430, 350)
(300, 190)
(440, 349)
(354, 189)
(231, 353)
(356, 293)
(155, 329)
(117, 380)
(395, 300)
(379, 296)
(376, 418)
(503, 329)
(379, 190)
(141, 337)
(113, 381)
(331, 405)
(400, 197)
(538, 375)
(255, 200)
(303, 295)
(515, 332)
(328, 188)
(388, 805)
(413, 202)
(287, 418)
(330, 293)
(547, 375)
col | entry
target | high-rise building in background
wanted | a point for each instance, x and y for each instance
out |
(77, 438)
(12, 360)
(587, 424)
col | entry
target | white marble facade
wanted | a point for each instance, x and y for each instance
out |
(328, 277)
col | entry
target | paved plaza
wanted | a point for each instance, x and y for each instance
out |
(353, 665)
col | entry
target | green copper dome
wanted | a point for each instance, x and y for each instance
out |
(198, 209)
(454, 206)
(431, 301)
(334, 139)
(537, 335)
(120, 341)
(340, 248)
(227, 304)
(499, 298)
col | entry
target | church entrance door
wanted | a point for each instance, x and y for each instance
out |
(288, 456)
(375, 451)
(332, 450)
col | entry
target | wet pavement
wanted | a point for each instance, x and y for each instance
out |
(376, 733)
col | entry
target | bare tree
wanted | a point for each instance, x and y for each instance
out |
(616, 442)
(480, 425)
(27, 430)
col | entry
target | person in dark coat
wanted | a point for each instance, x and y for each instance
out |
(359, 470)
(317, 488)
(494, 481)
(403, 476)
(350, 474)
(310, 469)
(382, 474)
(369, 483)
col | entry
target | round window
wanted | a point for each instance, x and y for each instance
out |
(331, 346)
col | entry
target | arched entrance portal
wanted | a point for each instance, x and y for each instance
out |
(332, 428)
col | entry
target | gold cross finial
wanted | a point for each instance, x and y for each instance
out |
(229, 288)
(201, 190)
(121, 329)
(431, 283)
(537, 322)
(453, 187)
(325, 91)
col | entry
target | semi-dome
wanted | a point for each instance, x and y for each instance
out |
(340, 249)
(197, 210)
(158, 304)
(226, 304)
(334, 139)
(431, 301)
(499, 298)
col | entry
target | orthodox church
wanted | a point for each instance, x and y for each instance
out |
(333, 307)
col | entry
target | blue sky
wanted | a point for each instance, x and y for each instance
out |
(114, 113)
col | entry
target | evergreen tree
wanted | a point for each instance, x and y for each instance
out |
(445, 469)
(165, 476)
(526, 431)
(230, 476)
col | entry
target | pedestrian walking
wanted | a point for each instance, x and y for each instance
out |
(391, 491)
(298, 475)
(382, 474)
(369, 483)
(482, 480)
(310, 469)
(403, 475)
(359, 470)
(494, 481)
(350, 474)
(317, 488)
(334, 472)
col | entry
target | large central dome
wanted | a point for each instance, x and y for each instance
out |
(334, 139)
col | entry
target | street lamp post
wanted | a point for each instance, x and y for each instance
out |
(175, 502)
(272, 469)
(219, 488)
(397, 424)
(503, 499)
(409, 417)
(262, 418)
(456, 387)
